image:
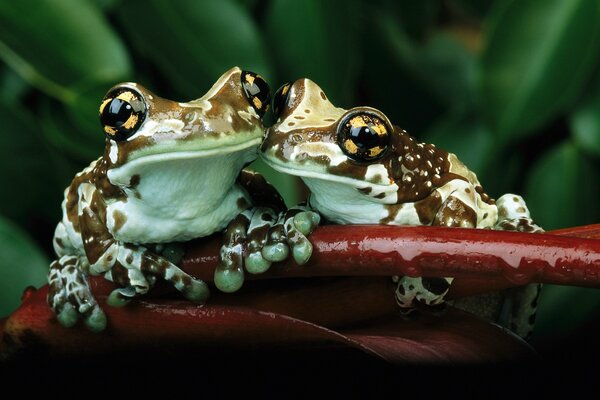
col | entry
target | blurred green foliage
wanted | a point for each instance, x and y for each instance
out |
(512, 87)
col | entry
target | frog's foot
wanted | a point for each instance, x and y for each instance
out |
(229, 274)
(513, 215)
(70, 297)
(428, 292)
(290, 232)
(137, 270)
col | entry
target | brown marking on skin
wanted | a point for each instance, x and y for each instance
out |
(365, 190)
(484, 196)
(516, 199)
(134, 181)
(393, 210)
(291, 124)
(261, 192)
(329, 119)
(467, 190)
(428, 207)
(521, 210)
(307, 111)
(242, 203)
(59, 242)
(129, 258)
(120, 275)
(120, 220)
(455, 213)
(267, 217)
(299, 117)
(93, 225)
(380, 195)
(322, 94)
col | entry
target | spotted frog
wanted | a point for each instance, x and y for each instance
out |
(361, 169)
(170, 172)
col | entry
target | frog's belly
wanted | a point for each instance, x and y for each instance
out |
(135, 222)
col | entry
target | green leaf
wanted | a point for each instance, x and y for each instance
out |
(416, 17)
(27, 169)
(195, 42)
(562, 189)
(585, 122)
(320, 41)
(58, 44)
(287, 185)
(412, 83)
(563, 310)
(22, 264)
(537, 57)
(466, 136)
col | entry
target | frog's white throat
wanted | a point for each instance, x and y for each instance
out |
(181, 185)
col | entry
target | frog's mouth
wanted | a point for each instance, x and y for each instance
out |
(237, 156)
(382, 191)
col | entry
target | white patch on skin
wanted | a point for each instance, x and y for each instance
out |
(512, 206)
(320, 109)
(152, 127)
(377, 169)
(316, 149)
(114, 152)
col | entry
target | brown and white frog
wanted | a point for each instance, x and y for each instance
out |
(361, 169)
(170, 172)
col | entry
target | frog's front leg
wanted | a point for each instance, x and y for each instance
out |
(258, 237)
(457, 210)
(69, 294)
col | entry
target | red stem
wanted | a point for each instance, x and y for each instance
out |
(483, 260)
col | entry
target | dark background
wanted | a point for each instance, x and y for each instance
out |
(512, 87)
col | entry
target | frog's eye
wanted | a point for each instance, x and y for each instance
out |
(122, 112)
(280, 100)
(364, 134)
(257, 92)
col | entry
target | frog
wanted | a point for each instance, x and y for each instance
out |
(170, 172)
(362, 169)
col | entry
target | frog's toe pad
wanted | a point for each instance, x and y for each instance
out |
(275, 252)
(121, 297)
(302, 251)
(228, 280)
(197, 291)
(96, 321)
(306, 221)
(68, 316)
(256, 264)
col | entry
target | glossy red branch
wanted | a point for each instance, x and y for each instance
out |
(483, 260)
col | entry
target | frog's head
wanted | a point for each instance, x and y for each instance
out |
(143, 129)
(317, 141)
(139, 125)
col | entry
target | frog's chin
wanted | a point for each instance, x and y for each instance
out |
(376, 192)
(245, 152)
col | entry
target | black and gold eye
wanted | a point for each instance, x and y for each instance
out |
(257, 91)
(122, 112)
(280, 99)
(363, 134)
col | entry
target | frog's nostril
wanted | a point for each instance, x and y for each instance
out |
(257, 91)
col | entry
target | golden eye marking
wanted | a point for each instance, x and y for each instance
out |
(131, 121)
(375, 151)
(379, 128)
(357, 122)
(127, 96)
(250, 79)
(257, 103)
(104, 103)
(110, 131)
(350, 146)
(285, 89)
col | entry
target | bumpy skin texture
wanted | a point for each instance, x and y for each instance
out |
(170, 172)
(361, 169)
